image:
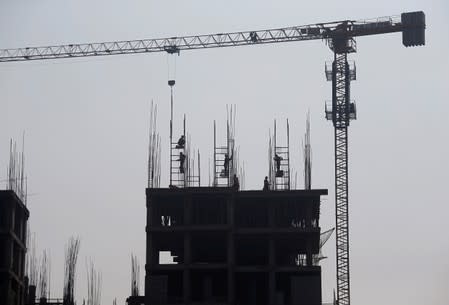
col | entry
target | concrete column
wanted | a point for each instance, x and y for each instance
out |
(252, 292)
(271, 288)
(186, 273)
(24, 228)
(188, 210)
(271, 215)
(149, 212)
(21, 258)
(231, 287)
(20, 224)
(186, 286)
(230, 210)
(187, 249)
(146, 288)
(271, 252)
(231, 267)
(187, 290)
(271, 275)
(9, 243)
(207, 288)
(150, 250)
(231, 249)
(13, 217)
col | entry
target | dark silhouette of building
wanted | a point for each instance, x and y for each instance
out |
(13, 230)
(223, 246)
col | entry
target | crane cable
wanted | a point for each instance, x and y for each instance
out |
(171, 66)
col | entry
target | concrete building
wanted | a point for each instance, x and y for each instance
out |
(224, 246)
(13, 230)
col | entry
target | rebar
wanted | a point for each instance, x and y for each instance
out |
(135, 275)
(154, 149)
(16, 178)
(44, 276)
(307, 155)
(93, 284)
(71, 257)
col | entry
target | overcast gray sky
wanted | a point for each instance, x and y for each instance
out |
(86, 124)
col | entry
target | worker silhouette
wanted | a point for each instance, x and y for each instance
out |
(277, 159)
(253, 36)
(225, 171)
(181, 142)
(266, 184)
(235, 182)
(181, 160)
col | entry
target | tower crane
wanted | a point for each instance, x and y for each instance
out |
(340, 37)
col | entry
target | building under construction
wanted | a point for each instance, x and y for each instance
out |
(224, 246)
(13, 230)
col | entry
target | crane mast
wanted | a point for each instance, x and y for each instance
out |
(341, 112)
(340, 38)
(340, 101)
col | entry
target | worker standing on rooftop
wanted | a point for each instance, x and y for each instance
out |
(235, 182)
(225, 172)
(266, 184)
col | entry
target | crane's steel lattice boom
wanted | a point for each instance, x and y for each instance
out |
(175, 44)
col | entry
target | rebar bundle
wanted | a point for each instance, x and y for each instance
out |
(31, 261)
(93, 285)
(270, 177)
(71, 257)
(135, 275)
(307, 151)
(231, 114)
(16, 171)
(189, 169)
(211, 174)
(154, 151)
(241, 175)
(44, 276)
(192, 171)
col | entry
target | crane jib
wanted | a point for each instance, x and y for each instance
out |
(412, 26)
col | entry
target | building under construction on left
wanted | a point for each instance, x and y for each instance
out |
(13, 235)
(25, 280)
